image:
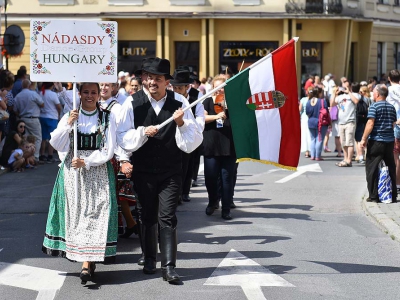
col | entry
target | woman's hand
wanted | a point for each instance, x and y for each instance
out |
(126, 168)
(77, 163)
(221, 115)
(73, 116)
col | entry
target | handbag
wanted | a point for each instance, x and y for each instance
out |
(4, 116)
(334, 113)
(384, 184)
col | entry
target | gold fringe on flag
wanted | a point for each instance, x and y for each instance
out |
(267, 162)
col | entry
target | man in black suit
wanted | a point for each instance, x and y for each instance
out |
(157, 161)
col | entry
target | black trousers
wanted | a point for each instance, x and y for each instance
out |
(196, 162)
(377, 151)
(187, 172)
(158, 196)
(222, 167)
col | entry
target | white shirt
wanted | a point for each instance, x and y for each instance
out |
(60, 139)
(116, 112)
(50, 100)
(187, 137)
(199, 113)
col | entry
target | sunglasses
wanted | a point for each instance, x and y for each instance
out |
(21, 126)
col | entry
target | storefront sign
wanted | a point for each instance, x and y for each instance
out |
(131, 54)
(73, 51)
(311, 51)
(252, 50)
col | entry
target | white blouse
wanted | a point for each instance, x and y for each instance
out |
(87, 123)
(188, 137)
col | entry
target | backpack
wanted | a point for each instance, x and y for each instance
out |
(324, 118)
(362, 111)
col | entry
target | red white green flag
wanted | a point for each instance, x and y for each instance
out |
(264, 110)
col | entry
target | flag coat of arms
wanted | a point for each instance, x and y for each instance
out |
(264, 110)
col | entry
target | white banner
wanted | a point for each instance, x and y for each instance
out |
(73, 51)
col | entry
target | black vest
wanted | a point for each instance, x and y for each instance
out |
(159, 154)
(193, 96)
(93, 141)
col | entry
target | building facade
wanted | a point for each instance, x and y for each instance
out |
(354, 38)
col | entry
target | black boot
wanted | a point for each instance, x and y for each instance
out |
(150, 248)
(141, 235)
(168, 246)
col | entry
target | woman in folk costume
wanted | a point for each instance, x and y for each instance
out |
(86, 230)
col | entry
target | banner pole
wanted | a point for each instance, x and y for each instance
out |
(210, 93)
(75, 141)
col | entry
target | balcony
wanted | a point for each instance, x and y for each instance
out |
(314, 7)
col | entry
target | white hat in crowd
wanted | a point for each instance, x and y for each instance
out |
(121, 74)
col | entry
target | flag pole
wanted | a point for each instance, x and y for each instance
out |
(210, 93)
(75, 140)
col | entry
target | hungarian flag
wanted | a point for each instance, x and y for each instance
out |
(264, 110)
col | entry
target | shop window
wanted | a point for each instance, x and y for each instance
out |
(381, 59)
(125, 2)
(314, 6)
(383, 1)
(311, 60)
(396, 3)
(246, 2)
(56, 2)
(187, 2)
(396, 55)
(187, 54)
(131, 54)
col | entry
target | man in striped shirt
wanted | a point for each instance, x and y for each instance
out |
(380, 135)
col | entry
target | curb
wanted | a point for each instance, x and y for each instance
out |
(385, 223)
(3, 172)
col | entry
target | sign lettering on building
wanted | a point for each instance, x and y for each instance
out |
(134, 51)
(312, 52)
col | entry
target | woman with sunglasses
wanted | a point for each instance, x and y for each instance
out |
(84, 230)
(12, 142)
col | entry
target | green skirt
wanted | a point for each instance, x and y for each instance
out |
(83, 230)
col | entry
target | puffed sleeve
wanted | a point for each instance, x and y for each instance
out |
(188, 137)
(101, 156)
(129, 138)
(60, 139)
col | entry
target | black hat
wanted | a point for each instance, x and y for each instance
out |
(145, 62)
(181, 77)
(190, 69)
(159, 66)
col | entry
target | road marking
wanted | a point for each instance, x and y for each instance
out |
(201, 168)
(239, 270)
(46, 282)
(1, 249)
(301, 170)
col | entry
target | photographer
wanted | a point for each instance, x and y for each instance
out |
(347, 102)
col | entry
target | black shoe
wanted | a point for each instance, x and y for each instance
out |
(194, 183)
(149, 266)
(210, 210)
(129, 231)
(140, 262)
(226, 216)
(186, 198)
(233, 205)
(85, 275)
(372, 200)
(169, 274)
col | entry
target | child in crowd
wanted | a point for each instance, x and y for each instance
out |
(16, 162)
(29, 151)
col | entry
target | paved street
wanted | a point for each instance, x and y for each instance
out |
(307, 237)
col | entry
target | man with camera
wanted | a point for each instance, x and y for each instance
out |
(347, 101)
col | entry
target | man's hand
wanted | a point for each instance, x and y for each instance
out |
(77, 163)
(126, 168)
(221, 115)
(178, 117)
(362, 143)
(150, 131)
